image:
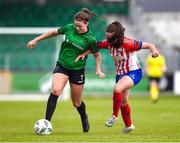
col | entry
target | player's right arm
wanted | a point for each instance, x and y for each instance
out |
(151, 47)
(51, 33)
(101, 45)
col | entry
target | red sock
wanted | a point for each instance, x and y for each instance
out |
(117, 99)
(126, 114)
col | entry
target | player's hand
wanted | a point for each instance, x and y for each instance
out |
(82, 56)
(100, 74)
(155, 52)
(154, 55)
(32, 44)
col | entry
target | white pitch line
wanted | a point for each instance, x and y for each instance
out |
(24, 97)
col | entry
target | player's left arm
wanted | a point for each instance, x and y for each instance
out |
(97, 56)
(95, 50)
(82, 56)
(151, 47)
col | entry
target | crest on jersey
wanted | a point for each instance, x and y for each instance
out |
(136, 43)
(85, 40)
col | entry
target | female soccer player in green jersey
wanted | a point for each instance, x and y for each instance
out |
(78, 40)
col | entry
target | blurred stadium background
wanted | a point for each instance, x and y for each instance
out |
(25, 72)
(29, 71)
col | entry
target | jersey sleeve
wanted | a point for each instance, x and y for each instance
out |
(93, 46)
(132, 45)
(103, 44)
(63, 29)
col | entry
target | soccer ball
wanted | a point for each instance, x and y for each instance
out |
(43, 127)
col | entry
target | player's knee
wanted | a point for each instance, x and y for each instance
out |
(117, 89)
(76, 104)
(56, 91)
(124, 102)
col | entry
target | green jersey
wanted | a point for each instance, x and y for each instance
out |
(74, 45)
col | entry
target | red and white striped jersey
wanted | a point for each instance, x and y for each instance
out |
(125, 57)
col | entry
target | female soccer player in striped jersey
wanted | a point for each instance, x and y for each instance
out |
(78, 40)
(128, 71)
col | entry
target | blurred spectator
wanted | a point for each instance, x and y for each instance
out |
(155, 69)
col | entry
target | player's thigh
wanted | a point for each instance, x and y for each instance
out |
(154, 82)
(124, 83)
(59, 80)
(76, 93)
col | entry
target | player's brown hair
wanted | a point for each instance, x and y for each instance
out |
(85, 14)
(118, 38)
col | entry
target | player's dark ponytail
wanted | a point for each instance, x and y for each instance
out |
(85, 10)
(85, 14)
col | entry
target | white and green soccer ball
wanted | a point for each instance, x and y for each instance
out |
(43, 127)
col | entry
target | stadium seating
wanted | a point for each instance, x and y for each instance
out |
(52, 14)
(166, 26)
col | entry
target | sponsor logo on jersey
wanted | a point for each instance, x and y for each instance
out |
(77, 46)
(118, 58)
(74, 44)
(136, 43)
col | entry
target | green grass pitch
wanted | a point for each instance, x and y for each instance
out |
(158, 122)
